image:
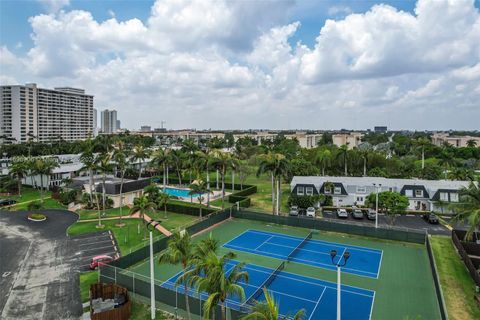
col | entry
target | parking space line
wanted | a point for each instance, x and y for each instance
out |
(96, 248)
(91, 243)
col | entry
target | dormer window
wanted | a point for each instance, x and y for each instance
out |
(337, 190)
(327, 190)
(419, 193)
(300, 191)
(309, 191)
(409, 193)
(453, 197)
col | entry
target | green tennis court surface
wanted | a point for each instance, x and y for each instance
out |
(404, 288)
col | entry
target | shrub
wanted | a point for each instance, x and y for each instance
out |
(65, 197)
(304, 201)
(34, 205)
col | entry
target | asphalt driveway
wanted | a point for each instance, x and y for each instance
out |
(39, 277)
(91, 245)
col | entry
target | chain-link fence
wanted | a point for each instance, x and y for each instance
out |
(166, 293)
(391, 233)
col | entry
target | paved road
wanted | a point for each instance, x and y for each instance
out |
(39, 277)
(408, 221)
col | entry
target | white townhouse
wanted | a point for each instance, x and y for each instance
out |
(348, 191)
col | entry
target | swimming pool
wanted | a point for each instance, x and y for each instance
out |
(181, 193)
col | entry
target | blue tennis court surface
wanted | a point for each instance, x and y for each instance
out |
(294, 292)
(363, 261)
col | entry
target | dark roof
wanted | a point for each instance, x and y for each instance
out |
(415, 187)
(436, 196)
(335, 185)
(128, 186)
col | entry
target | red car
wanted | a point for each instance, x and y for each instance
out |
(100, 260)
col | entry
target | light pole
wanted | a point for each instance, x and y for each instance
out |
(338, 264)
(153, 224)
(376, 202)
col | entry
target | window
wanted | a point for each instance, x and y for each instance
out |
(419, 193)
(409, 193)
(337, 190)
(327, 190)
(453, 197)
(361, 189)
(359, 199)
(309, 191)
(444, 196)
(300, 191)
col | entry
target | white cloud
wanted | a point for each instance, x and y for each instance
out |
(54, 5)
(339, 10)
(230, 64)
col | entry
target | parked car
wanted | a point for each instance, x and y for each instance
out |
(357, 213)
(431, 218)
(100, 260)
(311, 212)
(371, 214)
(342, 213)
(7, 202)
(293, 211)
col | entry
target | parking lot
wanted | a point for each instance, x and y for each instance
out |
(90, 245)
(415, 222)
(38, 278)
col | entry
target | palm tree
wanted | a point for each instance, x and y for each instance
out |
(160, 160)
(203, 163)
(180, 249)
(162, 201)
(446, 160)
(89, 163)
(198, 187)
(471, 143)
(216, 282)
(269, 310)
(176, 158)
(120, 156)
(19, 170)
(203, 248)
(280, 169)
(44, 167)
(342, 153)
(421, 143)
(267, 164)
(469, 207)
(105, 165)
(323, 158)
(140, 153)
(142, 205)
(221, 161)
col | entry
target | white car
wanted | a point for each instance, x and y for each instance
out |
(342, 213)
(311, 212)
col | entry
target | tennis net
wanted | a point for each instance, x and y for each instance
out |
(300, 245)
(266, 283)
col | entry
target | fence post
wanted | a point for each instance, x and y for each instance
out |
(115, 269)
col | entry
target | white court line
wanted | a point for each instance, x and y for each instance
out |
(371, 306)
(266, 241)
(377, 251)
(333, 284)
(316, 305)
(379, 265)
(298, 260)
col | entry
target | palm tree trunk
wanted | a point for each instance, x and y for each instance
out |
(323, 170)
(278, 196)
(187, 305)
(19, 186)
(273, 194)
(423, 158)
(223, 190)
(90, 172)
(200, 208)
(208, 189)
(140, 170)
(41, 188)
(167, 173)
(364, 167)
(179, 176)
(346, 169)
(121, 196)
(224, 311)
(104, 178)
(164, 185)
(165, 209)
(144, 226)
(217, 178)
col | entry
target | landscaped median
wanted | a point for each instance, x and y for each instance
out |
(457, 285)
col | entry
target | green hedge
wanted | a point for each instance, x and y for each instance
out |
(242, 196)
(188, 209)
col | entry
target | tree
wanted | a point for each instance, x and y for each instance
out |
(203, 160)
(160, 161)
(176, 158)
(323, 158)
(180, 249)
(471, 143)
(120, 156)
(267, 164)
(269, 309)
(199, 188)
(364, 151)
(89, 163)
(342, 155)
(469, 207)
(105, 166)
(243, 171)
(446, 160)
(19, 170)
(217, 282)
(142, 205)
(392, 203)
(44, 168)
(140, 153)
(421, 143)
(221, 161)
(162, 201)
(280, 169)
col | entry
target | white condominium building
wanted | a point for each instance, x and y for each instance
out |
(31, 113)
(109, 122)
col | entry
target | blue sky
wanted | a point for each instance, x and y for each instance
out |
(14, 15)
(286, 64)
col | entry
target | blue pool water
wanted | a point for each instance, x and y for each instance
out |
(182, 193)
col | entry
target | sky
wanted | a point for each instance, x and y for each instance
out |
(227, 64)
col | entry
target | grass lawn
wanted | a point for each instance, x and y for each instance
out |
(457, 285)
(28, 194)
(86, 279)
(127, 236)
(113, 212)
(174, 220)
(48, 204)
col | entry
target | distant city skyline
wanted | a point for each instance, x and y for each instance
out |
(412, 65)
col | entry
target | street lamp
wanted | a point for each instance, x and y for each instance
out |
(153, 224)
(339, 264)
(376, 202)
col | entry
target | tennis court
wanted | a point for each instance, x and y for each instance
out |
(363, 261)
(294, 292)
